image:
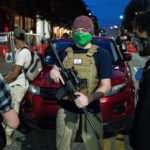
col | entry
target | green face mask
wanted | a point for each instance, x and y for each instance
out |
(82, 39)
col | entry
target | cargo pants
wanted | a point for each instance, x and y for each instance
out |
(67, 125)
(17, 94)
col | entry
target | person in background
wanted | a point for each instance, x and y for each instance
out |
(65, 36)
(123, 40)
(16, 77)
(9, 115)
(140, 131)
(94, 65)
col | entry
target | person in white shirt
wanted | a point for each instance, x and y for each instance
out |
(16, 77)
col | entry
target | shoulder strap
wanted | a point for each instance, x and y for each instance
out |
(92, 50)
(32, 59)
(69, 51)
(24, 47)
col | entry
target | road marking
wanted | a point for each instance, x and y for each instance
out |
(120, 145)
(107, 144)
(114, 143)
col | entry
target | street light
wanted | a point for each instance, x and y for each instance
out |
(111, 27)
(115, 27)
(121, 17)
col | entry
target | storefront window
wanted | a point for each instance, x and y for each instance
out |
(28, 22)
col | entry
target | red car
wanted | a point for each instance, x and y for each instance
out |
(39, 106)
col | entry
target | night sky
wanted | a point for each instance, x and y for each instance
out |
(108, 12)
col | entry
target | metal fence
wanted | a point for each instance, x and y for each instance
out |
(7, 47)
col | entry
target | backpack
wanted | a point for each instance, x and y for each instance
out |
(35, 66)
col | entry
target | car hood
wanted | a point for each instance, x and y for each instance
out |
(43, 79)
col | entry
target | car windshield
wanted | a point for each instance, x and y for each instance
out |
(60, 45)
(108, 45)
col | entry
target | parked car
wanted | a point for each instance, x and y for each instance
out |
(39, 106)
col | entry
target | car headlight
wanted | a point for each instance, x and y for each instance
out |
(116, 89)
(35, 90)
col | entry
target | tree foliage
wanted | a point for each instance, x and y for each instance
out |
(58, 12)
(130, 12)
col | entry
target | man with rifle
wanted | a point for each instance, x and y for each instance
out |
(79, 112)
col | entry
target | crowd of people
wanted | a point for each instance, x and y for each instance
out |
(87, 59)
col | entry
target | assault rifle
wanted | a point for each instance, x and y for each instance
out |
(72, 84)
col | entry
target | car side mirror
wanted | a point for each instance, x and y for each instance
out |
(127, 56)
